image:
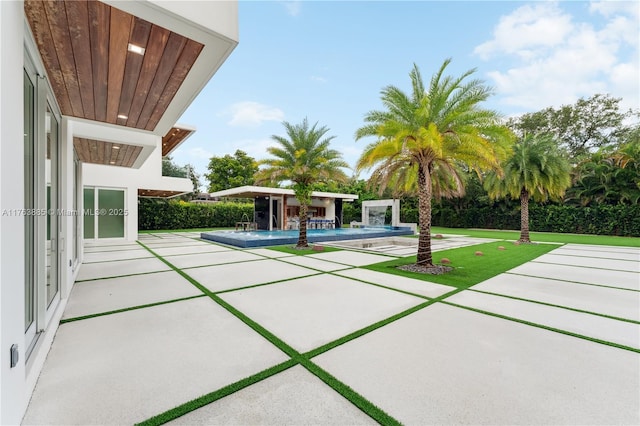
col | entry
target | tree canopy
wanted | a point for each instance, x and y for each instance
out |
(536, 169)
(424, 138)
(580, 128)
(231, 171)
(303, 158)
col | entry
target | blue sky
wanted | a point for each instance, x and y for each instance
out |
(328, 61)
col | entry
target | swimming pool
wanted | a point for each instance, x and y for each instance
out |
(247, 239)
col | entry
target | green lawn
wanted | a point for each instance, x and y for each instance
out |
(547, 237)
(470, 269)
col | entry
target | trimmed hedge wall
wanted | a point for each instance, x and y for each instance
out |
(154, 214)
(622, 220)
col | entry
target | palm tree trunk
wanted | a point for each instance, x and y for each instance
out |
(524, 216)
(302, 238)
(424, 213)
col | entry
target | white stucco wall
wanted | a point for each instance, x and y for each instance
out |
(220, 16)
(148, 176)
(12, 380)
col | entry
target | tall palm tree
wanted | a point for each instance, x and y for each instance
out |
(536, 170)
(423, 139)
(302, 158)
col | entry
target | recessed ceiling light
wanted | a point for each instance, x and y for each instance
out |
(122, 116)
(112, 162)
(116, 147)
(135, 49)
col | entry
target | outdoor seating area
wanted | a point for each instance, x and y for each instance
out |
(167, 330)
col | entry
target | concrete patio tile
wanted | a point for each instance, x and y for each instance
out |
(607, 329)
(590, 262)
(120, 267)
(127, 367)
(211, 258)
(447, 365)
(110, 294)
(610, 249)
(411, 285)
(107, 243)
(352, 258)
(190, 249)
(115, 255)
(602, 300)
(269, 253)
(235, 275)
(604, 277)
(293, 397)
(309, 312)
(108, 248)
(598, 254)
(310, 262)
(158, 244)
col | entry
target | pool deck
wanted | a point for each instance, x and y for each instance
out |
(215, 335)
(238, 239)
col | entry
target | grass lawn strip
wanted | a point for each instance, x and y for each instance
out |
(533, 324)
(284, 280)
(550, 237)
(113, 260)
(568, 308)
(131, 308)
(470, 269)
(340, 387)
(575, 282)
(120, 276)
(421, 296)
(200, 402)
(367, 407)
(586, 266)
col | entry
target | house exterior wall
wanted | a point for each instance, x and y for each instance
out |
(17, 383)
(12, 386)
(147, 176)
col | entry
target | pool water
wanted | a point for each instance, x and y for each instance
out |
(272, 238)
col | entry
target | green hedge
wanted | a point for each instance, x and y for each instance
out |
(621, 220)
(156, 214)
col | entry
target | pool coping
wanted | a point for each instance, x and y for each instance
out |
(224, 238)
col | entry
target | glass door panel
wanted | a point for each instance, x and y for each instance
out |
(29, 205)
(51, 180)
(111, 217)
(89, 208)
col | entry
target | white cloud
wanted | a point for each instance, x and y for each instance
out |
(293, 8)
(575, 61)
(253, 114)
(199, 153)
(256, 148)
(528, 29)
(318, 79)
(609, 8)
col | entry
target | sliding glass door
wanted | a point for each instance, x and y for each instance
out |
(42, 226)
(30, 306)
(104, 213)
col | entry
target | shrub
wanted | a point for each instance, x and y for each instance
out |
(154, 214)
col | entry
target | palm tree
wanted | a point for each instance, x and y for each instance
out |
(536, 170)
(424, 139)
(303, 158)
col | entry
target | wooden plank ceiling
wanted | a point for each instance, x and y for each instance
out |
(84, 45)
(101, 152)
(173, 138)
